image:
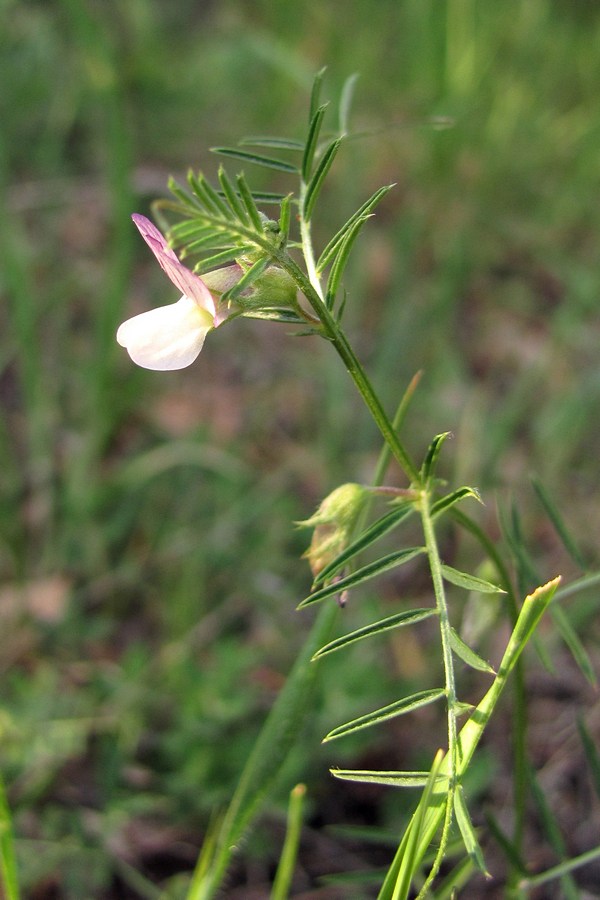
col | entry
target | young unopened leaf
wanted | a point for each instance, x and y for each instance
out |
(470, 582)
(315, 94)
(468, 656)
(311, 141)
(392, 711)
(315, 184)
(391, 561)
(463, 820)
(431, 457)
(410, 617)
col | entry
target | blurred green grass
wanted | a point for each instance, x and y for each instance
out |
(149, 566)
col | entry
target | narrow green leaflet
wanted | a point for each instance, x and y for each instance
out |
(311, 141)
(250, 275)
(559, 524)
(592, 754)
(470, 582)
(220, 259)
(468, 656)
(285, 219)
(399, 708)
(315, 95)
(467, 831)
(230, 194)
(394, 779)
(346, 98)
(341, 260)
(445, 503)
(313, 189)
(573, 642)
(364, 574)
(361, 213)
(411, 617)
(249, 202)
(268, 162)
(207, 195)
(266, 140)
(382, 526)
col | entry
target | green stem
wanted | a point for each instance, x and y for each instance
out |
(519, 738)
(435, 566)
(333, 332)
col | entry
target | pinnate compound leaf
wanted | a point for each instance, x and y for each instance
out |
(409, 617)
(470, 582)
(394, 779)
(268, 162)
(468, 656)
(371, 570)
(463, 820)
(375, 531)
(391, 711)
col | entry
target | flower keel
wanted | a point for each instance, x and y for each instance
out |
(167, 338)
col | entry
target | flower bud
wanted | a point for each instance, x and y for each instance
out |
(333, 524)
(273, 289)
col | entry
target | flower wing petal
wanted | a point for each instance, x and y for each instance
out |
(188, 283)
(169, 337)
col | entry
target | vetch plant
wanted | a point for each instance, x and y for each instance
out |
(264, 266)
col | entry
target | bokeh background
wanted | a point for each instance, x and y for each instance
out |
(148, 562)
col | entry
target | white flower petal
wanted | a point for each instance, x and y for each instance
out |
(169, 337)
